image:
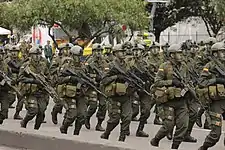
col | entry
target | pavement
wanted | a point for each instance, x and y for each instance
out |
(91, 135)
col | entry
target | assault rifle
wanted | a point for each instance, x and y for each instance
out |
(8, 82)
(82, 78)
(42, 80)
(187, 85)
(132, 78)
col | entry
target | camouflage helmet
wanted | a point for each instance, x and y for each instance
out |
(15, 48)
(174, 48)
(76, 50)
(97, 46)
(210, 40)
(155, 44)
(35, 50)
(118, 47)
(127, 45)
(217, 46)
(201, 43)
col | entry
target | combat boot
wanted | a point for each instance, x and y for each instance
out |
(140, 132)
(99, 126)
(157, 121)
(175, 146)
(64, 127)
(190, 139)
(155, 142)
(87, 123)
(26, 119)
(17, 116)
(203, 148)
(109, 128)
(54, 117)
(122, 138)
(170, 135)
(77, 129)
(23, 123)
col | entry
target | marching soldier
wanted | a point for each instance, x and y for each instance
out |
(212, 85)
(54, 70)
(171, 92)
(119, 91)
(154, 59)
(202, 60)
(141, 69)
(35, 102)
(4, 88)
(95, 68)
(72, 91)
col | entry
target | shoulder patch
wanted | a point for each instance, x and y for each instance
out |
(206, 69)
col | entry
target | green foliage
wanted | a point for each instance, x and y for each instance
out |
(220, 7)
(73, 14)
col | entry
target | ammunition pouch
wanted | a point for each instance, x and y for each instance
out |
(165, 94)
(161, 95)
(203, 95)
(66, 90)
(216, 92)
(116, 89)
(110, 90)
(121, 89)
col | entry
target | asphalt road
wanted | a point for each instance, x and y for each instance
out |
(132, 140)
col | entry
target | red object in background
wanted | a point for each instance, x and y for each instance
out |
(56, 26)
(124, 27)
(37, 37)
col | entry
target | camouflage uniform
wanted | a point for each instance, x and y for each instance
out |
(140, 69)
(71, 90)
(154, 59)
(202, 60)
(212, 89)
(168, 91)
(118, 90)
(95, 68)
(36, 97)
(14, 65)
(54, 70)
(4, 89)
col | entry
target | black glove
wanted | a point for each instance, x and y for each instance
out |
(220, 80)
(120, 77)
(177, 83)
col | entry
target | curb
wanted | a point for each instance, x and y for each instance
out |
(38, 140)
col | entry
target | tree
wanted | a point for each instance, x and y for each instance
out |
(90, 18)
(220, 7)
(178, 10)
(169, 14)
(211, 17)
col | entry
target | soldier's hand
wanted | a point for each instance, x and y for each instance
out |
(177, 83)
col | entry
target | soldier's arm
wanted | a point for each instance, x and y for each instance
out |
(160, 79)
(110, 75)
(206, 77)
